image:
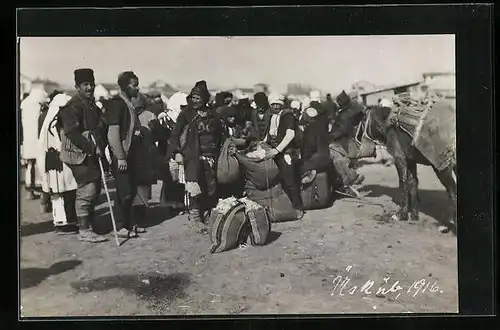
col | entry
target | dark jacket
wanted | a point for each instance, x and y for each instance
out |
(77, 116)
(314, 147)
(261, 125)
(192, 149)
(345, 124)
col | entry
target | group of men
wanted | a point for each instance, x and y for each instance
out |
(302, 138)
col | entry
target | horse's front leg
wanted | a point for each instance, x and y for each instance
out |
(412, 182)
(401, 167)
(447, 179)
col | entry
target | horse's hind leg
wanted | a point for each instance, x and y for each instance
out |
(400, 162)
(447, 178)
(413, 189)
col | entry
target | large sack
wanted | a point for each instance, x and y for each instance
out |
(276, 201)
(228, 169)
(228, 225)
(261, 174)
(317, 194)
(259, 220)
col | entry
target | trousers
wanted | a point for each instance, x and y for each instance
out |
(87, 197)
(290, 178)
(341, 164)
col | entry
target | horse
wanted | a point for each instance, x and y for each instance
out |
(380, 129)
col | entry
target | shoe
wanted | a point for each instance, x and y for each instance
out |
(359, 179)
(125, 233)
(300, 214)
(89, 236)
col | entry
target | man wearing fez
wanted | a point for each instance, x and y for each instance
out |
(125, 142)
(81, 122)
(281, 137)
(343, 130)
(196, 142)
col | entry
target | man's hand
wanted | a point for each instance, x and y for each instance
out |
(122, 165)
(271, 153)
(179, 159)
(162, 118)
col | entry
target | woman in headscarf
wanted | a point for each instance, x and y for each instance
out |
(57, 178)
(196, 142)
(30, 112)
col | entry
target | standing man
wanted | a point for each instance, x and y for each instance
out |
(262, 115)
(330, 108)
(125, 141)
(196, 142)
(80, 120)
(281, 137)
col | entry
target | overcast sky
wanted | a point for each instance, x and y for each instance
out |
(330, 63)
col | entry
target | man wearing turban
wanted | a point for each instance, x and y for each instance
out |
(81, 123)
(281, 136)
(196, 142)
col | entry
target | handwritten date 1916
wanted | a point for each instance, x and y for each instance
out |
(417, 287)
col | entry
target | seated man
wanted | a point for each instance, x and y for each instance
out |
(343, 130)
(314, 145)
(281, 137)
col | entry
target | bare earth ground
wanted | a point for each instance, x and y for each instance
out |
(169, 270)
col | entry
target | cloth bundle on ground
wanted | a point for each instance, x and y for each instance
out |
(228, 225)
(259, 174)
(228, 168)
(260, 223)
(317, 194)
(275, 201)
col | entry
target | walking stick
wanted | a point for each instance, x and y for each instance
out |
(107, 195)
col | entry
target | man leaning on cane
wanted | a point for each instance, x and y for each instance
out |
(80, 122)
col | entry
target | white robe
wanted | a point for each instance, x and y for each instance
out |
(53, 181)
(30, 112)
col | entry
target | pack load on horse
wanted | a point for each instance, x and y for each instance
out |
(417, 131)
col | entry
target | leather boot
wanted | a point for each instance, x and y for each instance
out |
(86, 234)
(139, 213)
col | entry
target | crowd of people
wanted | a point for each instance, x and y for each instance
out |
(141, 139)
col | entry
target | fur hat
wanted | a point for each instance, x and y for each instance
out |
(84, 75)
(261, 100)
(201, 89)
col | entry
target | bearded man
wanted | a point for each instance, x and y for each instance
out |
(196, 142)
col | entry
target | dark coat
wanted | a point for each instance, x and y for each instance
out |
(191, 151)
(345, 124)
(314, 147)
(77, 116)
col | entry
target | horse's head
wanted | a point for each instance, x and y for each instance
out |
(377, 121)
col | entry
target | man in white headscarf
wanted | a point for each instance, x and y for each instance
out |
(57, 178)
(30, 112)
(281, 136)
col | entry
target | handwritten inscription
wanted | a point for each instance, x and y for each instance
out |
(341, 287)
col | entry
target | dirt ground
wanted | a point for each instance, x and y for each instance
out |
(169, 270)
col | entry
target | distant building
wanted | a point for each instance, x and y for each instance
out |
(45, 84)
(364, 86)
(162, 87)
(442, 82)
(372, 98)
(261, 88)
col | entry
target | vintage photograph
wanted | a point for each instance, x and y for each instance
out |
(237, 175)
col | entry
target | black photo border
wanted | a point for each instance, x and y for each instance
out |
(473, 29)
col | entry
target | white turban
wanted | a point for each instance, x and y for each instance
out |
(174, 104)
(276, 98)
(295, 105)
